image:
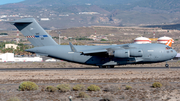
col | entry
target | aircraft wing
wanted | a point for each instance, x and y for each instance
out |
(93, 52)
(105, 50)
(121, 51)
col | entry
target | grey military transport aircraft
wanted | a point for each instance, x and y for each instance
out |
(102, 56)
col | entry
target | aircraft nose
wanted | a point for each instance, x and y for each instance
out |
(175, 53)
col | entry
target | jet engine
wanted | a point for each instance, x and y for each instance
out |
(121, 53)
(128, 53)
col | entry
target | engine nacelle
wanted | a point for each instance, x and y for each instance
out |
(128, 53)
(121, 53)
(136, 53)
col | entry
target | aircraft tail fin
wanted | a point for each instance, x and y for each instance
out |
(30, 28)
(169, 43)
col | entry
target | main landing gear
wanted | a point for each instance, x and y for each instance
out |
(106, 66)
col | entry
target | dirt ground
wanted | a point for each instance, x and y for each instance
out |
(112, 82)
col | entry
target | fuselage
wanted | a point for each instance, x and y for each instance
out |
(149, 53)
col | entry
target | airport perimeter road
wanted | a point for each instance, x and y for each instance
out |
(90, 68)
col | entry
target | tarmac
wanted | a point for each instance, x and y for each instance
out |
(90, 68)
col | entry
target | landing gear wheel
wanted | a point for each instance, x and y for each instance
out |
(110, 66)
(166, 65)
(102, 66)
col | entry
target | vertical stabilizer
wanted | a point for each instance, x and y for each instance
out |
(30, 28)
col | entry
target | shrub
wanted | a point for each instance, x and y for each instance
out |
(156, 85)
(111, 88)
(128, 87)
(83, 95)
(64, 87)
(28, 86)
(51, 89)
(78, 87)
(93, 88)
(14, 99)
(103, 40)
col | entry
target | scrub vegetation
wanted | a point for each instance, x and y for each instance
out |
(93, 88)
(28, 86)
(156, 85)
(50, 89)
(79, 87)
(64, 87)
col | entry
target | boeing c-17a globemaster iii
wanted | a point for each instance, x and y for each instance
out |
(102, 56)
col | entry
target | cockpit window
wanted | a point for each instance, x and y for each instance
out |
(167, 48)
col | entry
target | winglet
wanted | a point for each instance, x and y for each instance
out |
(169, 43)
(73, 49)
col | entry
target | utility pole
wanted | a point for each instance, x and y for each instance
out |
(59, 37)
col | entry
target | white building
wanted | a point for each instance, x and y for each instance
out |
(45, 19)
(11, 46)
(9, 57)
(142, 40)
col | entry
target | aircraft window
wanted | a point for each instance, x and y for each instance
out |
(171, 51)
(167, 48)
(167, 51)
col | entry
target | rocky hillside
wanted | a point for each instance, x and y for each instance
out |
(78, 13)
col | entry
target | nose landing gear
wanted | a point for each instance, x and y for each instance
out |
(167, 65)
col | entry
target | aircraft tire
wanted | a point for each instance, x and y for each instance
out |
(102, 66)
(166, 65)
(110, 66)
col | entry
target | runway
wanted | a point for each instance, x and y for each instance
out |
(90, 68)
